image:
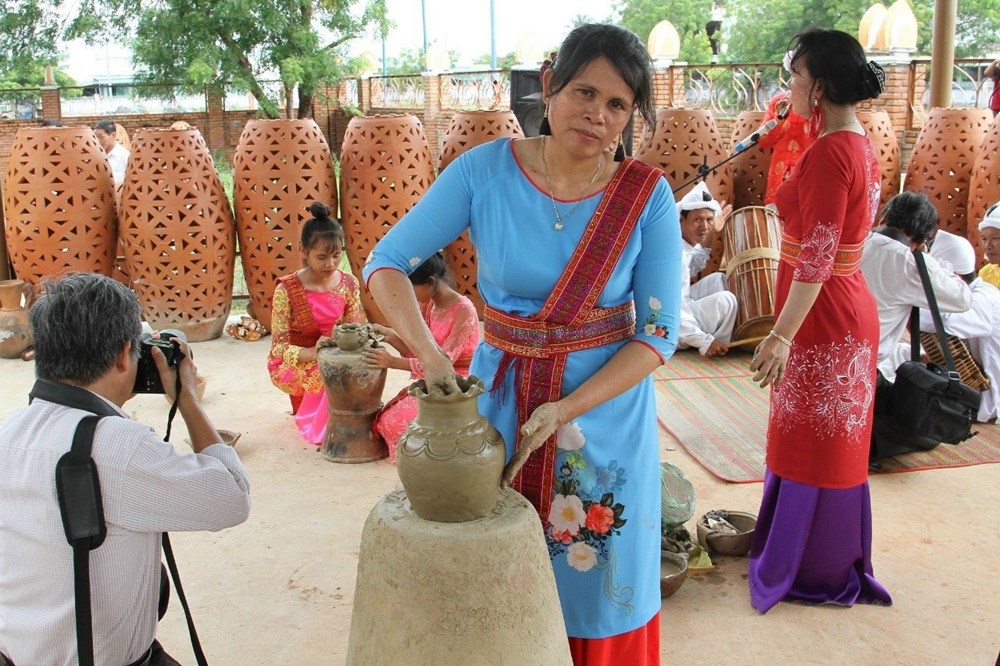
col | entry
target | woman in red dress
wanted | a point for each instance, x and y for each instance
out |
(813, 536)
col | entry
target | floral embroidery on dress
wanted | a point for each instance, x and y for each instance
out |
(829, 388)
(651, 327)
(874, 183)
(819, 248)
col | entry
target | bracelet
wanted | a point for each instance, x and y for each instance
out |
(780, 338)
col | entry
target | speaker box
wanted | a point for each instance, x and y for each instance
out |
(529, 109)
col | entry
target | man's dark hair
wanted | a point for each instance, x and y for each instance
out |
(80, 324)
(913, 214)
(106, 126)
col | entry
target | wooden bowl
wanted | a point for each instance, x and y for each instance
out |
(735, 545)
(673, 571)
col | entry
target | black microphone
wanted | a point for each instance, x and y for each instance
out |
(752, 138)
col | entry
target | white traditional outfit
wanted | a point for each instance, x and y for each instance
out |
(891, 272)
(708, 308)
(118, 160)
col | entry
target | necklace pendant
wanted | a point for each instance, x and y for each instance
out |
(558, 226)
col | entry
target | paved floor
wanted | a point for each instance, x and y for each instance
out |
(279, 589)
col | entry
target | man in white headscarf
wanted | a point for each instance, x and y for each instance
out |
(979, 327)
(708, 308)
(908, 222)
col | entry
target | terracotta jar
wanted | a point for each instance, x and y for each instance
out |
(59, 203)
(749, 169)
(984, 187)
(450, 459)
(680, 142)
(469, 129)
(385, 167)
(178, 234)
(878, 125)
(354, 395)
(280, 167)
(15, 335)
(941, 163)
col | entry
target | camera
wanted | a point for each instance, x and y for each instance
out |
(147, 377)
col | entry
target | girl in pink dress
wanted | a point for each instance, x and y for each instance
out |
(307, 305)
(453, 322)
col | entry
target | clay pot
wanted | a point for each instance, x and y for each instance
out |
(59, 203)
(450, 459)
(673, 569)
(15, 335)
(385, 168)
(354, 395)
(749, 168)
(280, 167)
(735, 545)
(178, 233)
(878, 125)
(469, 129)
(681, 141)
(942, 159)
(984, 187)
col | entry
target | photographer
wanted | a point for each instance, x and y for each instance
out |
(87, 338)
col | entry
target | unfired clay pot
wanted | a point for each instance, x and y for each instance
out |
(15, 336)
(354, 394)
(450, 459)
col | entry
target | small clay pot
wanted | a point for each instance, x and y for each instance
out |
(735, 545)
(15, 335)
(352, 337)
(673, 571)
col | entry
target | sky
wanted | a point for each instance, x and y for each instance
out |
(457, 25)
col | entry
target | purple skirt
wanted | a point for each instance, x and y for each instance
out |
(813, 545)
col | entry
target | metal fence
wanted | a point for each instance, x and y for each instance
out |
(20, 103)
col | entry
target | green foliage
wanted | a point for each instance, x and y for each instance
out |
(688, 16)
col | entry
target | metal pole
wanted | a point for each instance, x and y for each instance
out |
(943, 52)
(423, 19)
(385, 64)
(493, 35)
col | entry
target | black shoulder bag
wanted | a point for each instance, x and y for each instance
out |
(78, 488)
(926, 404)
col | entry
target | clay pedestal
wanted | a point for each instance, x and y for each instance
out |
(477, 592)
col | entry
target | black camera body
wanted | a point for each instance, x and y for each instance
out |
(147, 377)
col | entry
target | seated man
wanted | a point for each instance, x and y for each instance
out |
(979, 327)
(708, 308)
(908, 221)
(87, 339)
(117, 153)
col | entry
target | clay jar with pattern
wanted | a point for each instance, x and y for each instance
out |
(385, 167)
(354, 396)
(469, 129)
(879, 128)
(680, 142)
(15, 335)
(59, 203)
(450, 459)
(749, 168)
(178, 234)
(941, 163)
(280, 167)
(984, 188)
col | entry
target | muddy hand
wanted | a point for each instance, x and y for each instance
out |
(542, 424)
(439, 374)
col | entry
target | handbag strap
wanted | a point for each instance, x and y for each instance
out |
(918, 256)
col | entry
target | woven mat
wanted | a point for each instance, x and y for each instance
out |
(713, 408)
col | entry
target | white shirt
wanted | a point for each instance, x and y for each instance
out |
(118, 159)
(147, 488)
(891, 273)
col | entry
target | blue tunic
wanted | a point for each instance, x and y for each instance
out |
(603, 531)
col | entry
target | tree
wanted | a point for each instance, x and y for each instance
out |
(688, 16)
(238, 44)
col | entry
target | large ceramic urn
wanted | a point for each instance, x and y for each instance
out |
(15, 335)
(681, 142)
(59, 203)
(280, 167)
(385, 168)
(749, 168)
(354, 397)
(984, 187)
(178, 234)
(942, 161)
(469, 129)
(878, 126)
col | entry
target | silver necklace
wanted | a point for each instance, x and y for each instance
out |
(838, 127)
(558, 226)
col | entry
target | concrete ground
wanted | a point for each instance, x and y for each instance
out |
(279, 589)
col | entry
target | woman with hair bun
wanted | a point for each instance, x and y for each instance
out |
(307, 305)
(813, 536)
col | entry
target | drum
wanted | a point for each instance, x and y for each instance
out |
(752, 248)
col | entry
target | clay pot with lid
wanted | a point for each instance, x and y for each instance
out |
(15, 336)
(450, 459)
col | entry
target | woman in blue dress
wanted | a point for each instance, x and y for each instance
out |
(579, 261)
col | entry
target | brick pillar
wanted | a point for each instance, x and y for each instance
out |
(215, 121)
(432, 113)
(51, 103)
(365, 94)
(905, 108)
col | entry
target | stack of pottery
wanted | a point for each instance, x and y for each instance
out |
(354, 395)
(15, 336)
(452, 566)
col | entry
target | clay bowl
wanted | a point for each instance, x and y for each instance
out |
(229, 437)
(673, 571)
(735, 545)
